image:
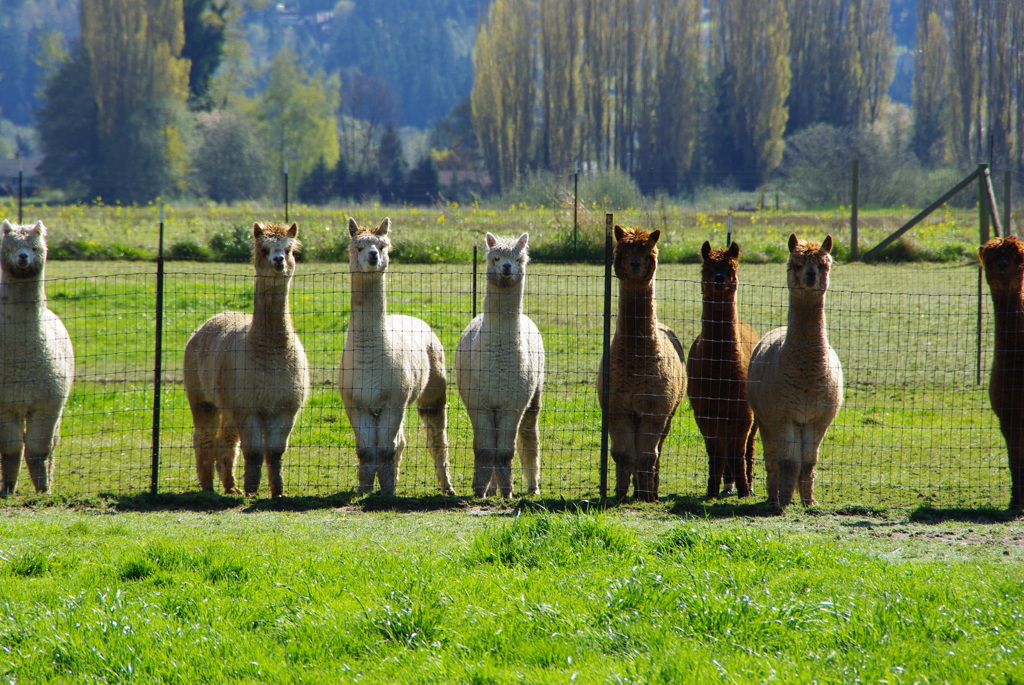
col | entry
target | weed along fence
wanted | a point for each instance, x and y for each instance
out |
(915, 427)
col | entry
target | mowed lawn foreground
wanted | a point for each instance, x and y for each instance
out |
(506, 595)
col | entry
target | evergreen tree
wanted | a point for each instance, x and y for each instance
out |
(206, 26)
(391, 164)
(68, 125)
(317, 186)
(423, 186)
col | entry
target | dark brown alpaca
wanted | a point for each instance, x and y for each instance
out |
(716, 371)
(647, 374)
(1003, 260)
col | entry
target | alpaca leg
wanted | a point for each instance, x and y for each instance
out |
(224, 453)
(390, 444)
(790, 451)
(738, 442)
(12, 445)
(364, 424)
(808, 460)
(433, 416)
(748, 458)
(278, 428)
(1015, 449)
(528, 444)
(507, 431)
(622, 436)
(485, 450)
(205, 421)
(648, 440)
(41, 433)
(771, 465)
(250, 434)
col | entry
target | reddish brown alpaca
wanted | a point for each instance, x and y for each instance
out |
(646, 372)
(1003, 260)
(716, 371)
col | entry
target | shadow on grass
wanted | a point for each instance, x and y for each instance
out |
(731, 507)
(928, 514)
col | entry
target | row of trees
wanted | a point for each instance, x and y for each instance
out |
(676, 92)
(154, 99)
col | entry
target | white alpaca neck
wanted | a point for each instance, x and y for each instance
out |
(24, 299)
(271, 315)
(806, 328)
(503, 308)
(366, 324)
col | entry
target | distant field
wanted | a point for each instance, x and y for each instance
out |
(447, 233)
(916, 427)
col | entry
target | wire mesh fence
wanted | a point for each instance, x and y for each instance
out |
(915, 426)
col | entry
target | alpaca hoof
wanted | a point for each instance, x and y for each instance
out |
(726, 491)
(251, 493)
(533, 492)
(230, 491)
(449, 492)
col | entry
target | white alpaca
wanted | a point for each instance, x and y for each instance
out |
(388, 363)
(37, 363)
(246, 377)
(795, 381)
(500, 363)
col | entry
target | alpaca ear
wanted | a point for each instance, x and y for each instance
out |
(39, 229)
(734, 250)
(490, 240)
(257, 230)
(652, 239)
(293, 230)
(523, 240)
(384, 227)
(353, 227)
(792, 241)
(705, 250)
(8, 227)
(619, 233)
(826, 245)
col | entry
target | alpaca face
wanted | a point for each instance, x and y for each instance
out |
(809, 264)
(274, 248)
(1003, 260)
(23, 251)
(636, 254)
(719, 273)
(370, 249)
(506, 259)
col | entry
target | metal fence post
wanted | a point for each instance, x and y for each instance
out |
(154, 476)
(609, 224)
(854, 202)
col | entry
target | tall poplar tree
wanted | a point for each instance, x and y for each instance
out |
(750, 64)
(964, 81)
(928, 88)
(504, 91)
(140, 85)
(559, 26)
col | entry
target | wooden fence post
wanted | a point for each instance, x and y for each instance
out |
(609, 223)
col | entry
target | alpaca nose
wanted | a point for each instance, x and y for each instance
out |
(506, 269)
(811, 275)
(278, 260)
(372, 258)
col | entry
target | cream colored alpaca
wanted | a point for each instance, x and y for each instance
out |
(37, 363)
(646, 369)
(388, 363)
(246, 377)
(500, 362)
(795, 381)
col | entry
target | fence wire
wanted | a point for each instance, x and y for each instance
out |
(915, 427)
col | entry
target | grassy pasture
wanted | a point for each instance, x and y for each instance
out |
(447, 233)
(916, 427)
(503, 596)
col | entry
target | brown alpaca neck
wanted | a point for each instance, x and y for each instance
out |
(25, 295)
(806, 327)
(719, 328)
(369, 308)
(1008, 309)
(503, 307)
(637, 317)
(271, 316)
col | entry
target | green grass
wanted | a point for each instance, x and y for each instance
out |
(915, 427)
(630, 596)
(448, 233)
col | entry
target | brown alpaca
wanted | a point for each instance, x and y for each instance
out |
(1003, 260)
(794, 380)
(647, 374)
(716, 371)
(246, 376)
